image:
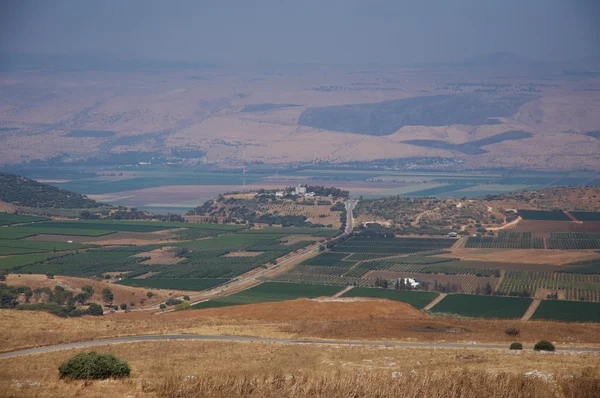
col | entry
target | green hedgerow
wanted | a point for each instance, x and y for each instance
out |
(93, 365)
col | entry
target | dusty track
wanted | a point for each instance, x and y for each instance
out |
(132, 339)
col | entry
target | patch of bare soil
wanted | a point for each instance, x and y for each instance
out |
(525, 256)
(146, 275)
(162, 255)
(291, 239)
(7, 207)
(242, 254)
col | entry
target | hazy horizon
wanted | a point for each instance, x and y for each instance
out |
(335, 32)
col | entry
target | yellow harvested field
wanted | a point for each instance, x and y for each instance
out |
(224, 369)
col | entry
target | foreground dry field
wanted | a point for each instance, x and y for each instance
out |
(365, 319)
(191, 369)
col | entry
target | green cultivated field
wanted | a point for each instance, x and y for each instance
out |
(24, 232)
(8, 246)
(43, 246)
(7, 251)
(269, 292)
(177, 284)
(135, 226)
(23, 259)
(569, 311)
(87, 264)
(329, 259)
(416, 299)
(9, 218)
(483, 306)
(295, 231)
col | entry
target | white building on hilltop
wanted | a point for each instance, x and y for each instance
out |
(300, 190)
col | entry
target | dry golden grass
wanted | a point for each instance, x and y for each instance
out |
(25, 329)
(371, 321)
(473, 330)
(224, 369)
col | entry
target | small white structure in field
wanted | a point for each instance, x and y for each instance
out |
(300, 190)
(69, 241)
(279, 194)
(309, 195)
(452, 235)
(410, 281)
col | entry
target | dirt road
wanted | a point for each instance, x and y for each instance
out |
(133, 339)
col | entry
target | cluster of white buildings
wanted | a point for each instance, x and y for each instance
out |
(298, 191)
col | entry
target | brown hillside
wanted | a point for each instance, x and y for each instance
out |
(312, 309)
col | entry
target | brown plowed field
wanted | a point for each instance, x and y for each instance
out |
(162, 255)
(524, 256)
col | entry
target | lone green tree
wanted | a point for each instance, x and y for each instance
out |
(107, 295)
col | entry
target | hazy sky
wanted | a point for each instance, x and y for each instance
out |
(322, 31)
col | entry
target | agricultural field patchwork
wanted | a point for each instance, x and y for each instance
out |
(200, 259)
(556, 215)
(573, 241)
(505, 240)
(10, 218)
(7, 263)
(320, 232)
(567, 311)
(330, 259)
(483, 306)
(269, 292)
(416, 299)
(392, 246)
(568, 286)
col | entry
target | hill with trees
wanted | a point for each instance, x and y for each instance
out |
(24, 192)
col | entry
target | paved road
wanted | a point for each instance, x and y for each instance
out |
(350, 204)
(133, 339)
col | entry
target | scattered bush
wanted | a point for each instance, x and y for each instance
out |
(544, 345)
(163, 306)
(95, 309)
(186, 298)
(173, 301)
(123, 306)
(149, 294)
(516, 346)
(93, 365)
(512, 332)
